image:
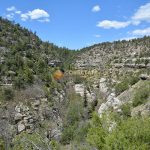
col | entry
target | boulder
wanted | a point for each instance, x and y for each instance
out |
(18, 116)
(21, 127)
(144, 77)
(112, 102)
(103, 86)
(79, 89)
(44, 99)
(17, 109)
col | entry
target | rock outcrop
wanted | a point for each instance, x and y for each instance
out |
(82, 90)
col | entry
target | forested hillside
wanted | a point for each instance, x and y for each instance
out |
(24, 57)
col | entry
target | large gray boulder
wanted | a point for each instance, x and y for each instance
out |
(21, 127)
(18, 117)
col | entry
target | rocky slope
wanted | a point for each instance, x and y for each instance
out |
(129, 53)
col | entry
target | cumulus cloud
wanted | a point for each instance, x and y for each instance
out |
(10, 16)
(141, 32)
(107, 24)
(18, 12)
(36, 14)
(24, 17)
(12, 8)
(142, 14)
(96, 8)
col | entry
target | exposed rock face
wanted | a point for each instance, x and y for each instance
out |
(30, 114)
(112, 102)
(27, 118)
(103, 86)
(18, 117)
(128, 95)
(84, 92)
(23, 118)
(79, 89)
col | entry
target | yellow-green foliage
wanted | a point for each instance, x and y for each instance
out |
(130, 134)
(72, 118)
(2, 144)
(126, 110)
(133, 133)
(96, 134)
(74, 127)
(126, 82)
(142, 94)
(25, 141)
(8, 94)
(55, 145)
(121, 87)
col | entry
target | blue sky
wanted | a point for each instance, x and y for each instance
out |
(80, 23)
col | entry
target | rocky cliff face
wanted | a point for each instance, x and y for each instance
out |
(30, 114)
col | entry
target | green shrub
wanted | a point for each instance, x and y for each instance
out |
(141, 95)
(54, 145)
(81, 132)
(132, 133)
(127, 81)
(68, 134)
(2, 144)
(8, 94)
(96, 134)
(126, 110)
(132, 79)
(72, 118)
(19, 82)
(121, 87)
(25, 141)
(78, 79)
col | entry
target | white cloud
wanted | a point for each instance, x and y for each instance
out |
(12, 8)
(18, 12)
(36, 14)
(44, 20)
(107, 24)
(142, 14)
(97, 35)
(12, 11)
(141, 32)
(24, 17)
(96, 8)
(10, 16)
